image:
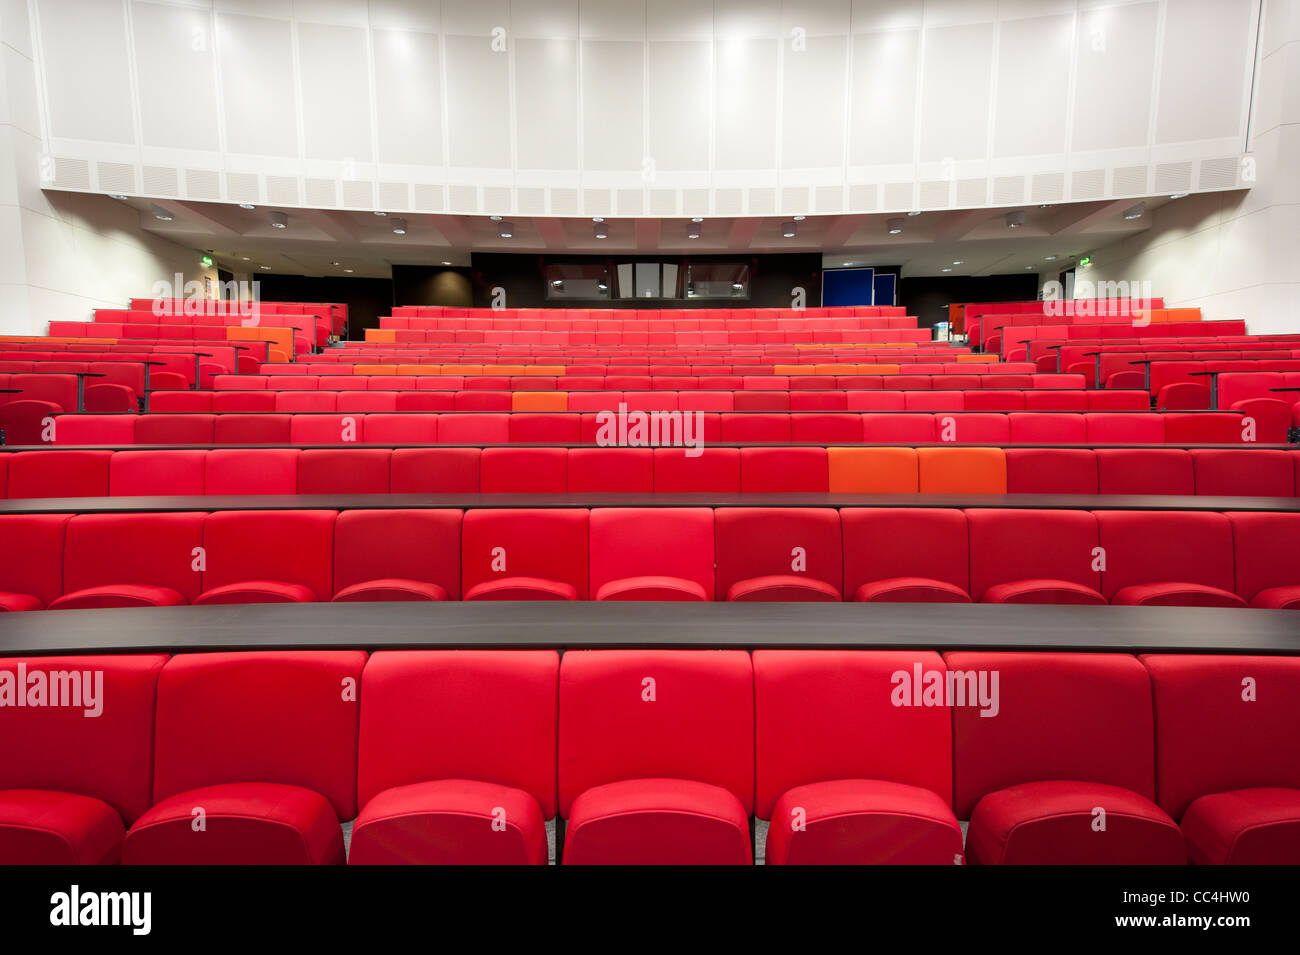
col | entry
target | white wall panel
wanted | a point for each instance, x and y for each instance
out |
(175, 63)
(613, 81)
(335, 70)
(478, 102)
(1033, 86)
(814, 91)
(1202, 62)
(1116, 50)
(955, 92)
(257, 85)
(745, 103)
(678, 113)
(883, 98)
(546, 103)
(89, 95)
(408, 97)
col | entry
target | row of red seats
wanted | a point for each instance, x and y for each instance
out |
(657, 756)
(648, 314)
(469, 336)
(889, 470)
(810, 554)
(632, 325)
(1232, 346)
(668, 429)
(336, 312)
(575, 354)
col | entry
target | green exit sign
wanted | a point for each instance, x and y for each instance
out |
(1085, 261)
(206, 260)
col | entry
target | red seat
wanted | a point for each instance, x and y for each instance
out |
(230, 471)
(406, 554)
(1266, 548)
(327, 428)
(1167, 558)
(712, 470)
(652, 553)
(115, 429)
(778, 470)
(523, 470)
(898, 428)
(1233, 473)
(262, 748)
(59, 474)
(457, 757)
(343, 471)
(1039, 428)
(1051, 470)
(474, 429)
(751, 428)
(525, 554)
(31, 562)
(72, 777)
(907, 555)
(827, 428)
(1064, 772)
(544, 428)
(393, 429)
(27, 422)
(1271, 418)
(778, 554)
(434, 471)
(1228, 755)
(175, 429)
(156, 473)
(1034, 556)
(131, 560)
(610, 470)
(663, 774)
(110, 398)
(1209, 428)
(846, 772)
(1183, 396)
(267, 557)
(1145, 471)
(1125, 428)
(252, 429)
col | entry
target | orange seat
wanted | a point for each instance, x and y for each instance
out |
(381, 334)
(873, 470)
(962, 470)
(539, 401)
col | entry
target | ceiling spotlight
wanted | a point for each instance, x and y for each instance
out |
(507, 229)
(593, 218)
(160, 213)
(1015, 219)
(800, 218)
(692, 231)
(1028, 266)
(378, 213)
(114, 195)
(788, 229)
(1176, 195)
(1135, 212)
(737, 286)
(347, 270)
(894, 225)
(247, 205)
(557, 282)
(279, 220)
(603, 285)
(495, 218)
(244, 258)
(701, 218)
(1045, 205)
(946, 269)
(601, 230)
(446, 263)
(399, 225)
(958, 261)
(265, 268)
(1049, 258)
(334, 263)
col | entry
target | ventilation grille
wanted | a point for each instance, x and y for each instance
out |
(695, 202)
(428, 198)
(597, 202)
(829, 199)
(321, 192)
(898, 196)
(663, 202)
(762, 202)
(358, 193)
(203, 184)
(1129, 181)
(160, 181)
(531, 201)
(394, 195)
(463, 199)
(115, 176)
(1088, 184)
(242, 187)
(70, 173)
(630, 202)
(1174, 177)
(282, 190)
(564, 202)
(1008, 190)
(1219, 173)
(728, 202)
(862, 198)
(1048, 187)
(934, 194)
(972, 192)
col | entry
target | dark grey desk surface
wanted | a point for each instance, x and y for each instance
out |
(594, 624)
(280, 502)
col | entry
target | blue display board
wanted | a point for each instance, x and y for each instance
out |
(885, 287)
(849, 287)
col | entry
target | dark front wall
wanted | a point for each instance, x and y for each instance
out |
(772, 277)
(928, 297)
(432, 285)
(366, 299)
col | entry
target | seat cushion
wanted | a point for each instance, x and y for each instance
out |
(257, 592)
(651, 588)
(1277, 598)
(862, 822)
(783, 587)
(1052, 823)
(1244, 827)
(18, 602)
(391, 588)
(657, 822)
(119, 595)
(42, 827)
(1175, 594)
(243, 824)
(912, 590)
(450, 822)
(522, 588)
(1042, 591)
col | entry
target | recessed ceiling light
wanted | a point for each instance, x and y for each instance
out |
(495, 218)
(788, 229)
(279, 220)
(1135, 212)
(957, 261)
(160, 213)
(446, 263)
(1179, 195)
(557, 282)
(1049, 258)
(697, 218)
(1028, 266)
(507, 229)
(1015, 219)
(347, 270)
(947, 268)
(1045, 205)
(265, 268)
(378, 213)
(603, 285)
(597, 218)
(247, 205)
(399, 225)
(118, 197)
(800, 218)
(601, 230)
(894, 225)
(915, 212)
(244, 258)
(737, 286)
